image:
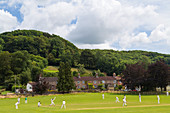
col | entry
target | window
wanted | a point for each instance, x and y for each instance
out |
(103, 81)
(83, 82)
(95, 86)
(114, 85)
(30, 87)
(84, 86)
(56, 82)
(78, 87)
(95, 82)
(114, 81)
(78, 82)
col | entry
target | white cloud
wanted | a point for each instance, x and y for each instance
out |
(7, 21)
(53, 18)
(109, 21)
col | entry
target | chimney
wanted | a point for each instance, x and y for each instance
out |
(79, 75)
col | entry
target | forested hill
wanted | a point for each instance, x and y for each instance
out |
(52, 47)
(56, 49)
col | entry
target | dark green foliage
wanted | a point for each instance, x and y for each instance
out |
(65, 78)
(156, 75)
(5, 66)
(88, 59)
(75, 73)
(52, 47)
(48, 74)
(41, 87)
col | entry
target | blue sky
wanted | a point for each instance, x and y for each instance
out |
(108, 24)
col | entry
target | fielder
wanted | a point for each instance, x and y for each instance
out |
(39, 104)
(18, 100)
(125, 97)
(158, 99)
(117, 99)
(63, 104)
(25, 100)
(52, 101)
(103, 96)
(140, 97)
(167, 93)
(124, 102)
(16, 105)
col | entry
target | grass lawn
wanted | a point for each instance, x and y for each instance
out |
(88, 103)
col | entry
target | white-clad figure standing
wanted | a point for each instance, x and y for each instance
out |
(124, 102)
(117, 99)
(140, 97)
(158, 99)
(103, 96)
(64, 102)
(167, 93)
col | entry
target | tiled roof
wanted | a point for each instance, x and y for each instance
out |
(94, 78)
(49, 79)
(53, 79)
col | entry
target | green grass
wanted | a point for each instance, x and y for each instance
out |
(54, 69)
(5, 92)
(87, 103)
(51, 69)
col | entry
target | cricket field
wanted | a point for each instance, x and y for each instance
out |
(87, 103)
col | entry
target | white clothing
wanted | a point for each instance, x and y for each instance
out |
(103, 96)
(124, 97)
(18, 100)
(39, 104)
(167, 93)
(139, 97)
(117, 99)
(124, 102)
(16, 105)
(158, 99)
(63, 105)
(52, 102)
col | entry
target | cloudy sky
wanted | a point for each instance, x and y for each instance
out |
(94, 24)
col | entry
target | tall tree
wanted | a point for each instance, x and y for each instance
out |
(5, 66)
(134, 75)
(159, 74)
(65, 78)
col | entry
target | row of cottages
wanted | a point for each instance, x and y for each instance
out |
(82, 82)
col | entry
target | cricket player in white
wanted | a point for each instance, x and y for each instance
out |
(63, 104)
(39, 104)
(16, 105)
(117, 99)
(52, 101)
(25, 100)
(140, 97)
(124, 102)
(103, 96)
(167, 93)
(125, 97)
(18, 100)
(158, 99)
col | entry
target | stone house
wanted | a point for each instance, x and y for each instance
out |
(82, 82)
